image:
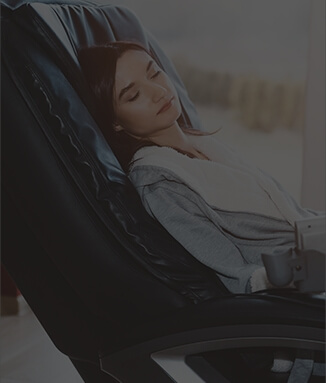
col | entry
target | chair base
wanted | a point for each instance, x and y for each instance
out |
(170, 359)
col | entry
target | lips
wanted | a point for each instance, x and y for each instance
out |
(166, 106)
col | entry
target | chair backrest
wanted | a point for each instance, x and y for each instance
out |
(77, 240)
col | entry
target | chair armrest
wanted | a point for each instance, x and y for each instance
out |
(163, 349)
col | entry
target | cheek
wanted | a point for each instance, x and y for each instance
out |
(135, 118)
(132, 115)
(168, 83)
(140, 111)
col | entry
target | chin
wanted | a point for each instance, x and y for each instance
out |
(175, 113)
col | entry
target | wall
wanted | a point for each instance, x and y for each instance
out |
(313, 180)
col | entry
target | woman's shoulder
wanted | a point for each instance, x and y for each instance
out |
(160, 156)
(150, 150)
(144, 175)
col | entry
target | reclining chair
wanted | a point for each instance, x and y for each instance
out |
(115, 293)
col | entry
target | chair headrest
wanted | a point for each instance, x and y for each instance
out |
(66, 28)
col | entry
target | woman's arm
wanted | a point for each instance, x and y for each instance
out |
(187, 217)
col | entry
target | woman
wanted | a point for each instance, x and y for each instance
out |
(225, 212)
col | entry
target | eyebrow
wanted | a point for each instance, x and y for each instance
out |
(125, 89)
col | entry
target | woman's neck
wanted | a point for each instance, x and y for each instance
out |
(172, 137)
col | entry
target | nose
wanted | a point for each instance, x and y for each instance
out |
(159, 92)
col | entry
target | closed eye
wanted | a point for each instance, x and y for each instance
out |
(137, 94)
(134, 97)
(156, 74)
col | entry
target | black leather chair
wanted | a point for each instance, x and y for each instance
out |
(112, 289)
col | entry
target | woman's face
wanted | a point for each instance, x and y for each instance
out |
(145, 99)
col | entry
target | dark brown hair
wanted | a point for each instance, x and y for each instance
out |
(98, 64)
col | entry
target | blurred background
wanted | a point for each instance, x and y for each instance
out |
(245, 67)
